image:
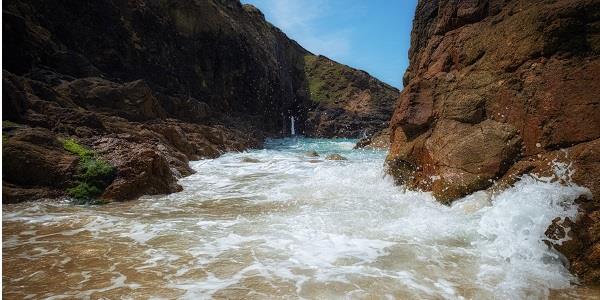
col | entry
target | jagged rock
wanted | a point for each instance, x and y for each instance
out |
(380, 140)
(493, 90)
(149, 157)
(34, 159)
(133, 100)
(141, 170)
(545, 92)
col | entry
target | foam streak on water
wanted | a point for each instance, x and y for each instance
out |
(276, 223)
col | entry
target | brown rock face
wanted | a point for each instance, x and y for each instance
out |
(345, 102)
(36, 161)
(123, 123)
(142, 170)
(380, 140)
(493, 84)
(132, 100)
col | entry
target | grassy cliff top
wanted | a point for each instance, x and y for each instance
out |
(332, 83)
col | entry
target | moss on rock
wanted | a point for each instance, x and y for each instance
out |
(72, 146)
(94, 174)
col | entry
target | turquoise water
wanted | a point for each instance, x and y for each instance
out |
(323, 147)
(278, 223)
(300, 145)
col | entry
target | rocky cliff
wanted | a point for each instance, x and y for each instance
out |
(497, 89)
(345, 102)
(145, 86)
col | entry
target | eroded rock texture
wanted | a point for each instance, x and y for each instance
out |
(345, 102)
(495, 87)
(149, 85)
(123, 123)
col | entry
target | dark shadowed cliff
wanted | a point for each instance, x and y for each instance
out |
(497, 89)
(145, 86)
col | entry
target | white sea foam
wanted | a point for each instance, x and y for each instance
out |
(330, 229)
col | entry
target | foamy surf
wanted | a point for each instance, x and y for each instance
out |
(277, 223)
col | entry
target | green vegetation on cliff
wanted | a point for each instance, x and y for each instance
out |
(94, 174)
(343, 101)
(326, 80)
(72, 146)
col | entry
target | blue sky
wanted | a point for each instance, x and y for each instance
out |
(372, 35)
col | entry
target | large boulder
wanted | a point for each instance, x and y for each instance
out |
(141, 170)
(33, 158)
(495, 89)
(539, 94)
(458, 158)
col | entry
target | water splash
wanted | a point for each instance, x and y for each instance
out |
(293, 126)
(286, 225)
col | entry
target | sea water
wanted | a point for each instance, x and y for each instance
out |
(280, 224)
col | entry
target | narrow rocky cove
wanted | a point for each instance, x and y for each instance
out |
(191, 150)
(280, 222)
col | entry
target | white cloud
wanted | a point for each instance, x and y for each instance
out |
(299, 18)
(296, 14)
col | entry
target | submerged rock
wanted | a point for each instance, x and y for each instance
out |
(312, 153)
(250, 160)
(335, 156)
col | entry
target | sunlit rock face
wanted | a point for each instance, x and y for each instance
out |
(345, 102)
(494, 88)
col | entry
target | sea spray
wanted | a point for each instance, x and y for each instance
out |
(296, 226)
